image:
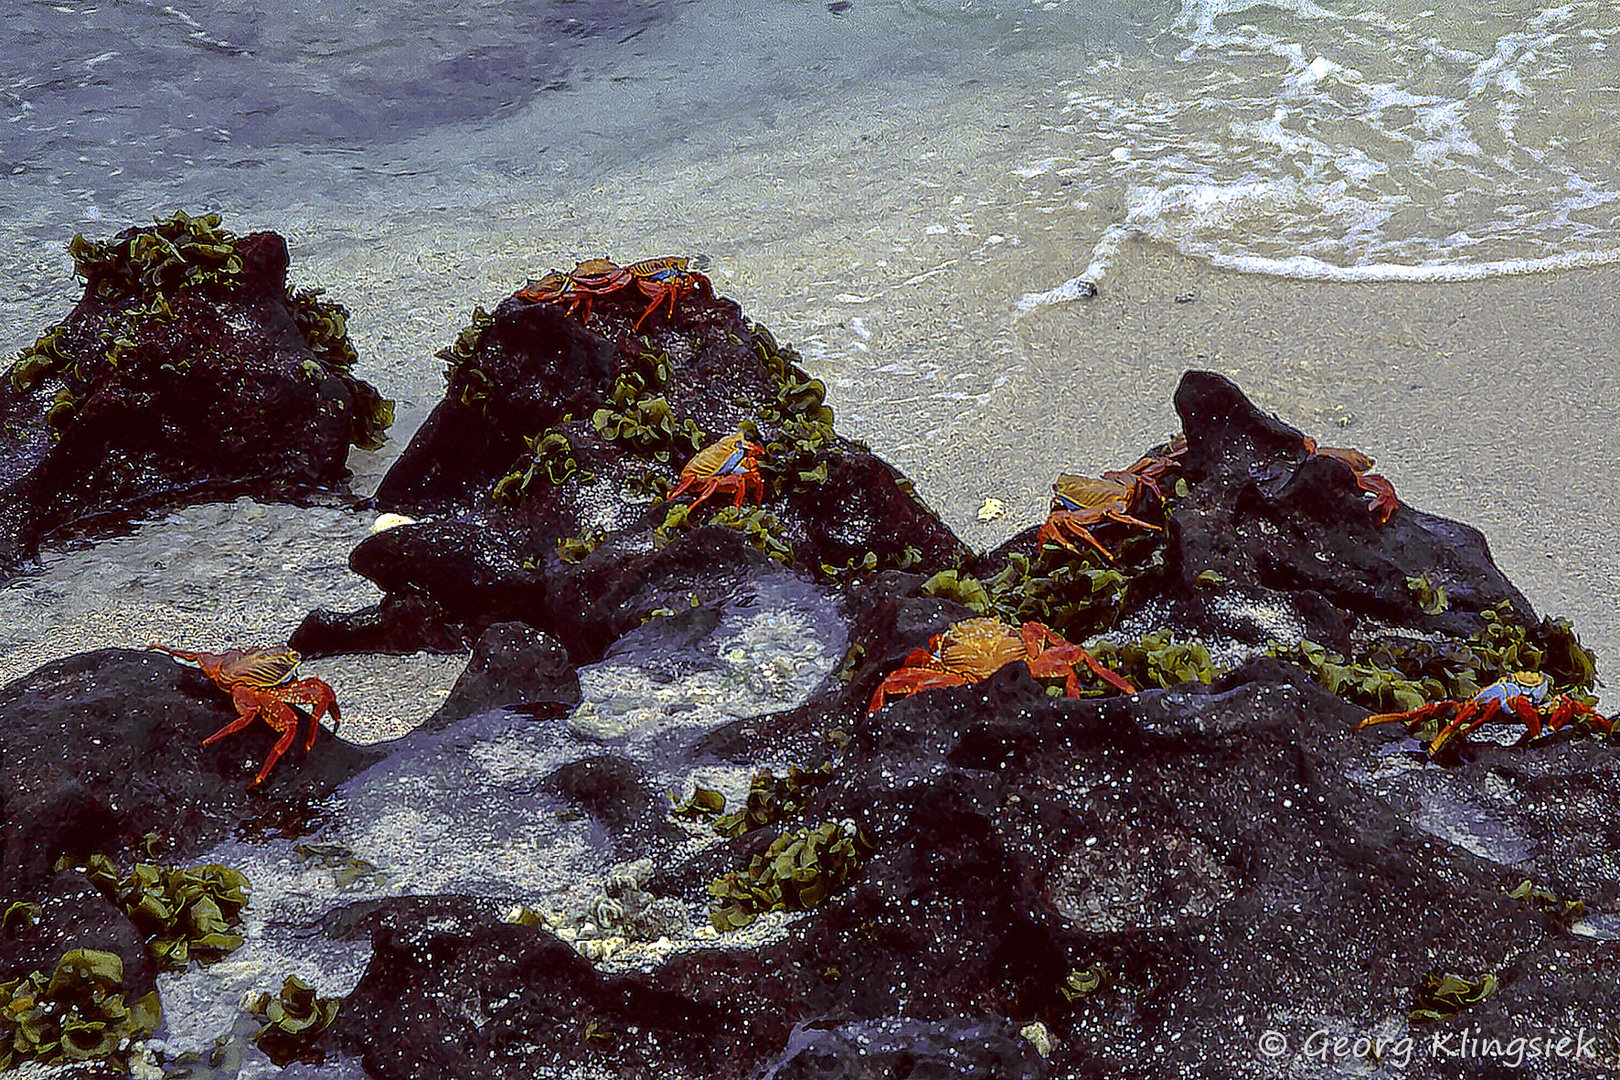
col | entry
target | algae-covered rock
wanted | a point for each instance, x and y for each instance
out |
(559, 440)
(189, 370)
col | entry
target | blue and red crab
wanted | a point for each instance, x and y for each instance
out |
(1525, 696)
(260, 682)
(729, 466)
(665, 279)
(1080, 503)
(972, 650)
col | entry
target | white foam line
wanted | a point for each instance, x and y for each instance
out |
(1305, 268)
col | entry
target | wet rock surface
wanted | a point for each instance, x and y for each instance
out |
(545, 466)
(512, 665)
(188, 371)
(103, 748)
(658, 831)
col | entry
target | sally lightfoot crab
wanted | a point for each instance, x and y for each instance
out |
(730, 466)
(1524, 696)
(260, 682)
(1382, 501)
(975, 649)
(1080, 503)
(662, 280)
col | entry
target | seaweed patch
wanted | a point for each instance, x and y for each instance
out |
(77, 1014)
(185, 914)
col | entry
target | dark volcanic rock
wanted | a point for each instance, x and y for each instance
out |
(616, 792)
(74, 914)
(982, 1048)
(556, 438)
(104, 747)
(512, 665)
(446, 582)
(1291, 529)
(1198, 850)
(498, 998)
(187, 372)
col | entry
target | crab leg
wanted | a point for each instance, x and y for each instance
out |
(248, 702)
(279, 715)
(315, 693)
(909, 680)
(1059, 525)
(1412, 718)
(1051, 652)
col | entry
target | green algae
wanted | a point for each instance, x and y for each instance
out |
(184, 913)
(19, 917)
(462, 376)
(1431, 599)
(77, 1014)
(573, 549)
(179, 252)
(1158, 659)
(763, 529)
(770, 799)
(1440, 996)
(704, 804)
(1395, 674)
(324, 325)
(639, 416)
(548, 456)
(959, 586)
(1083, 982)
(293, 1019)
(1562, 912)
(797, 872)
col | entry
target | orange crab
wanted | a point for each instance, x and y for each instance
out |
(1522, 696)
(589, 279)
(668, 278)
(730, 466)
(1382, 501)
(975, 649)
(1080, 502)
(260, 682)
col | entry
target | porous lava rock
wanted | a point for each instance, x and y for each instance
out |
(1264, 540)
(1280, 524)
(965, 1048)
(188, 371)
(101, 748)
(1183, 869)
(512, 665)
(1197, 851)
(73, 914)
(557, 437)
(1166, 882)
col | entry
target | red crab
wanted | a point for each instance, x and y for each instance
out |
(1382, 502)
(730, 466)
(668, 278)
(975, 649)
(260, 682)
(1522, 696)
(1081, 502)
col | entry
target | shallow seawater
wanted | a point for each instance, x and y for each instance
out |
(884, 183)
